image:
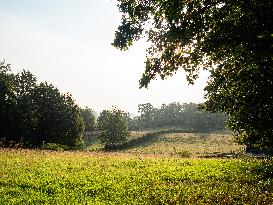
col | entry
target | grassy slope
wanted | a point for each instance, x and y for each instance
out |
(42, 177)
(173, 144)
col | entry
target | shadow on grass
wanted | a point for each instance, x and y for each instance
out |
(145, 140)
(262, 169)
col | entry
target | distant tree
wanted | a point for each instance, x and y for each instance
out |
(197, 120)
(134, 122)
(170, 115)
(184, 116)
(147, 115)
(112, 126)
(232, 39)
(89, 119)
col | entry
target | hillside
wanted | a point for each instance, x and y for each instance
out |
(179, 144)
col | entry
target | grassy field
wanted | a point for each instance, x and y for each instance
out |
(48, 177)
(177, 144)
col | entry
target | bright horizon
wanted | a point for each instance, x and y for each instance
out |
(68, 43)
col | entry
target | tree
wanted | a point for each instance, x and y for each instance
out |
(57, 117)
(112, 126)
(147, 115)
(231, 39)
(32, 114)
(8, 105)
(184, 116)
(26, 118)
(89, 119)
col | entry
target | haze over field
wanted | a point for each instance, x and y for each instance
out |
(68, 43)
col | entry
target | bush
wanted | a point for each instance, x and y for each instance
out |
(183, 153)
(112, 126)
(54, 146)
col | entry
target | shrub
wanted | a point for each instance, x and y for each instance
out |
(183, 153)
(112, 126)
(54, 146)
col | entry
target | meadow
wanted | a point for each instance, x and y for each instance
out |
(171, 143)
(84, 177)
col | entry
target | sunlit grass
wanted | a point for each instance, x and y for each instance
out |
(43, 177)
(170, 144)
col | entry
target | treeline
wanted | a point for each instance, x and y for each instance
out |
(113, 125)
(186, 116)
(33, 113)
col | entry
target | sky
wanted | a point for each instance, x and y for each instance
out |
(68, 43)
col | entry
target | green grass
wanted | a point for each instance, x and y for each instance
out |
(48, 177)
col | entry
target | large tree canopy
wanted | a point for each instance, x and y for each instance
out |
(32, 114)
(8, 103)
(231, 38)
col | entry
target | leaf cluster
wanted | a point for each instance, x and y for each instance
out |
(195, 34)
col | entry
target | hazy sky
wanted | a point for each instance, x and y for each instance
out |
(68, 43)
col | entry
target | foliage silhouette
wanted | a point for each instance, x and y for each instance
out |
(231, 39)
(33, 114)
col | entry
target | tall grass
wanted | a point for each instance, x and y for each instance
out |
(48, 177)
